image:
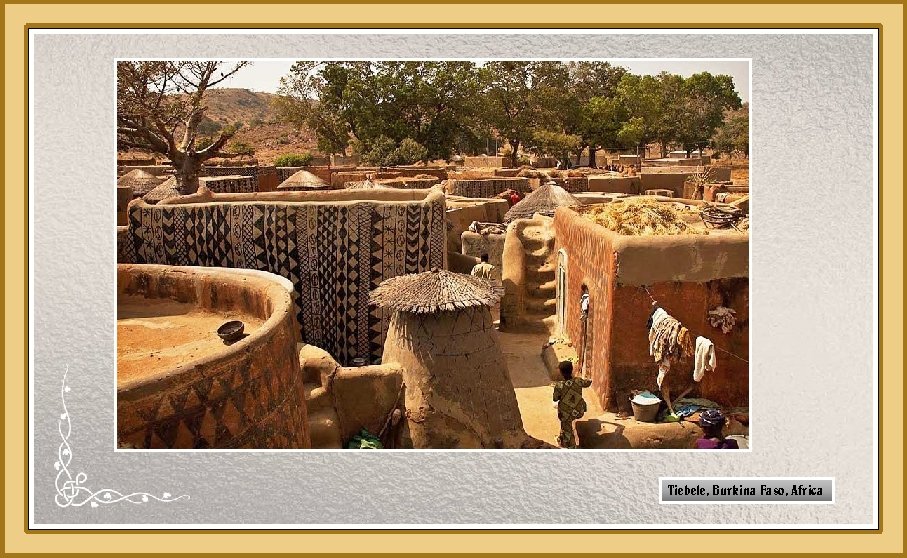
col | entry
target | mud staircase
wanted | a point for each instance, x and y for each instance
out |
(541, 286)
(317, 369)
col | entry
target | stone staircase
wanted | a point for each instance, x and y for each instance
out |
(541, 304)
(317, 368)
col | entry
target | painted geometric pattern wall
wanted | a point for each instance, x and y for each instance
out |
(487, 187)
(333, 254)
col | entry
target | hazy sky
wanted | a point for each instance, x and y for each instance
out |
(265, 75)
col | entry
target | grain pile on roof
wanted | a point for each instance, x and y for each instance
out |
(545, 200)
(434, 291)
(303, 180)
(640, 217)
(164, 190)
(140, 181)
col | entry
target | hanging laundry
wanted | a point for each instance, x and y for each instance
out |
(663, 368)
(722, 317)
(704, 359)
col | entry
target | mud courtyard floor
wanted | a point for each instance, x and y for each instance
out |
(155, 335)
(597, 429)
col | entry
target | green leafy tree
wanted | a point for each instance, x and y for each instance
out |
(409, 152)
(593, 112)
(705, 100)
(558, 144)
(733, 136)
(640, 97)
(381, 152)
(508, 100)
(431, 102)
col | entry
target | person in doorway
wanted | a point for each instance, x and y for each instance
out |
(514, 198)
(584, 303)
(483, 269)
(570, 403)
(584, 321)
(712, 423)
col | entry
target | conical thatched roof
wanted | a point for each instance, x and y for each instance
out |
(166, 189)
(303, 180)
(544, 200)
(434, 291)
(140, 181)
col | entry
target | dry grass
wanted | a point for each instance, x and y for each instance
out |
(640, 217)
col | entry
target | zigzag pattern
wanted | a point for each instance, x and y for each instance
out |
(333, 254)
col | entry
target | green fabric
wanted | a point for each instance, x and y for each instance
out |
(364, 440)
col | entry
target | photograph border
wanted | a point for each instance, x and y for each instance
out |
(884, 145)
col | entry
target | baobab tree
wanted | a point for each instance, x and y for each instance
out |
(160, 105)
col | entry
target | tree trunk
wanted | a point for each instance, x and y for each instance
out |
(514, 159)
(187, 175)
(592, 162)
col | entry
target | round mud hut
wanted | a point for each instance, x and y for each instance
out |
(458, 390)
(303, 181)
(140, 181)
(164, 190)
(545, 200)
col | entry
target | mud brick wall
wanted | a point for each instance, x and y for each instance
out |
(489, 161)
(333, 253)
(408, 183)
(229, 184)
(486, 188)
(614, 268)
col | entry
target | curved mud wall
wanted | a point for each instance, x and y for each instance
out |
(334, 250)
(458, 392)
(687, 275)
(250, 395)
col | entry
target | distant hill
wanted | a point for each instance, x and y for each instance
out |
(258, 124)
(228, 106)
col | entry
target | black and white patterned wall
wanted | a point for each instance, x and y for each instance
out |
(334, 254)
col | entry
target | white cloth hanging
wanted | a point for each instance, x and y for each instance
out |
(704, 359)
(663, 368)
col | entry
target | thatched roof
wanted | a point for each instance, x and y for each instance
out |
(140, 181)
(166, 189)
(303, 180)
(544, 200)
(434, 291)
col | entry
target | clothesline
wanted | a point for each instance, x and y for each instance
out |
(716, 346)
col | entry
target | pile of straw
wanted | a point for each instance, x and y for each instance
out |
(640, 217)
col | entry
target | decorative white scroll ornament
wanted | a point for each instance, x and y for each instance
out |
(70, 491)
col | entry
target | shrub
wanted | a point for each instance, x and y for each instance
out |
(294, 160)
(408, 152)
(381, 152)
(241, 148)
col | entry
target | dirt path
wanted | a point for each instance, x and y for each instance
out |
(532, 384)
